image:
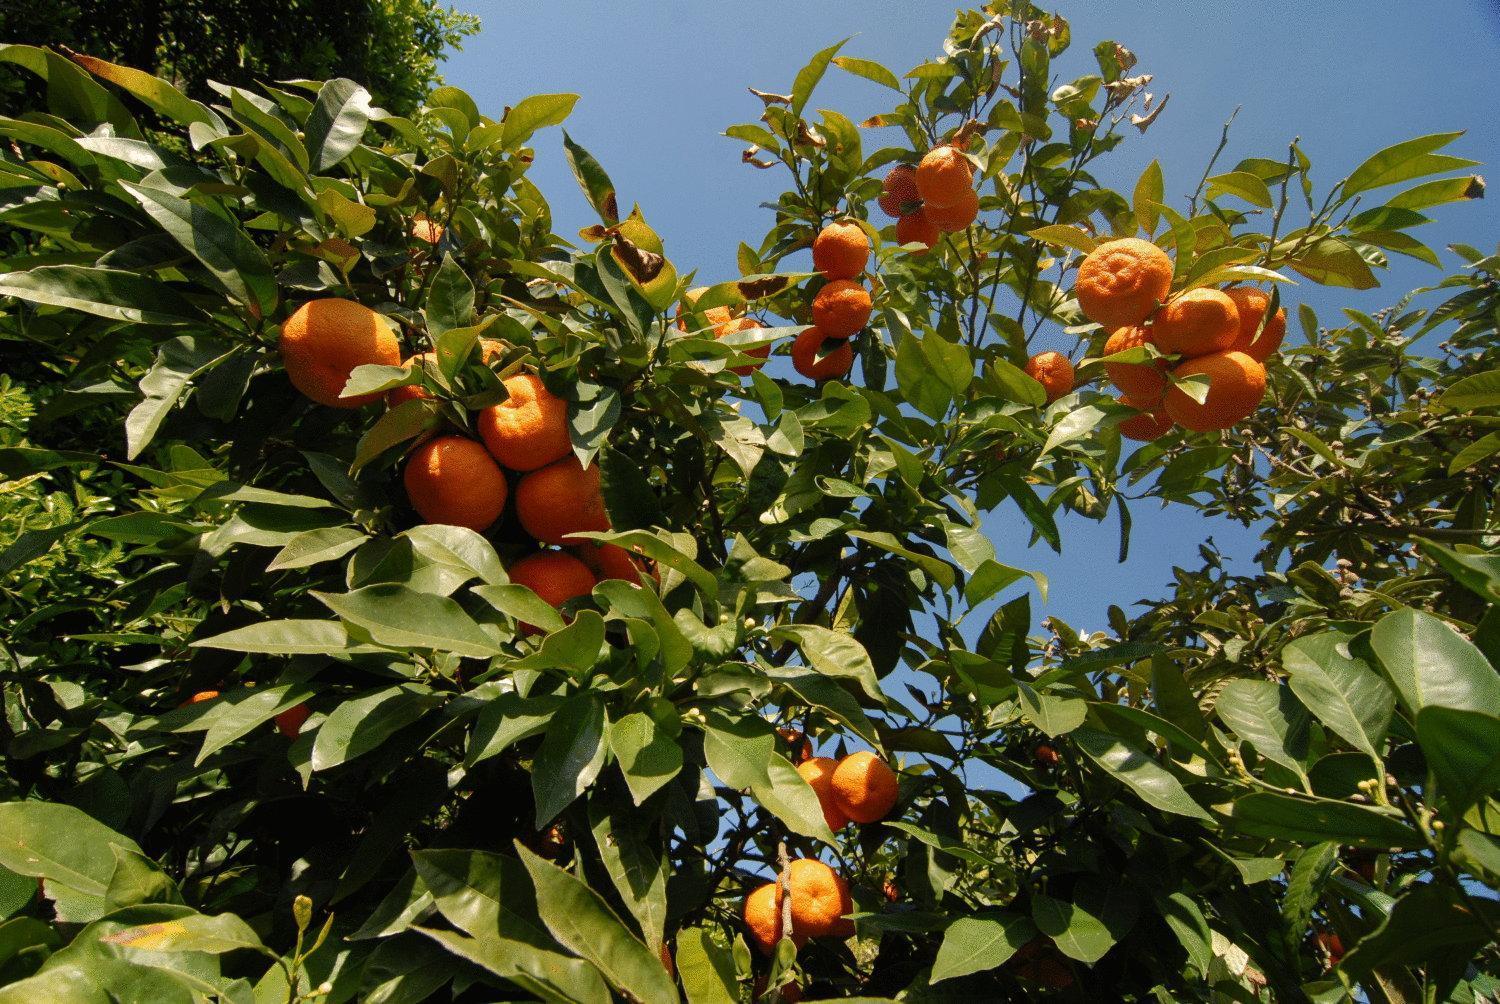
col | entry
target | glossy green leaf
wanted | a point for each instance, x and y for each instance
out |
(1269, 718)
(980, 943)
(1350, 698)
(1287, 817)
(570, 758)
(337, 123)
(1431, 665)
(1139, 772)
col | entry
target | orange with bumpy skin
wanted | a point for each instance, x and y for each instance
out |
(736, 326)
(1251, 304)
(324, 340)
(529, 429)
(289, 722)
(554, 576)
(1053, 371)
(841, 250)
(1151, 424)
(1196, 323)
(943, 177)
(838, 361)
(762, 914)
(1143, 381)
(898, 195)
(453, 480)
(865, 787)
(841, 308)
(818, 773)
(820, 899)
(1236, 384)
(560, 499)
(1121, 282)
(957, 217)
(916, 228)
(611, 561)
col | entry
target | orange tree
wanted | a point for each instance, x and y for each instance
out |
(335, 670)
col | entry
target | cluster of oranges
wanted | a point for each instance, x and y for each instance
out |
(841, 308)
(456, 480)
(935, 197)
(1223, 335)
(859, 788)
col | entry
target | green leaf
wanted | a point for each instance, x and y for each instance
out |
(66, 848)
(196, 932)
(1472, 453)
(402, 618)
(1306, 820)
(828, 695)
(450, 304)
(103, 292)
(1305, 887)
(584, 924)
(1332, 262)
(508, 718)
(835, 654)
(1400, 162)
(575, 648)
(1351, 699)
(32, 544)
(482, 893)
(936, 568)
(706, 968)
(1430, 664)
(1478, 572)
(284, 637)
(742, 753)
(1150, 188)
(1268, 717)
(1439, 192)
(593, 180)
(1243, 184)
(337, 123)
(1087, 928)
(179, 362)
(1482, 390)
(807, 78)
(1462, 747)
(155, 92)
(359, 726)
(533, 113)
(629, 848)
(1033, 508)
(648, 756)
(932, 372)
(1062, 235)
(869, 69)
(313, 547)
(980, 943)
(1430, 925)
(1054, 715)
(1076, 424)
(1139, 772)
(1183, 916)
(571, 756)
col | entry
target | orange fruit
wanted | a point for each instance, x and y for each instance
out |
(1196, 323)
(611, 561)
(818, 773)
(453, 480)
(762, 912)
(898, 195)
(736, 326)
(820, 899)
(1151, 424)
(841, 250)
(805, 360)
(802, 748)
(554, 576)
(1045, 756)
(411, 392)
(289, 722)
(1236, 383)
(200, 697)
(841, 308)
(943, 177)
(324, 340)
(529, 429)
(1251, 303)
(916, 228)
(561, 499)
(425, 230)
(1053, 371)
(1121, 282)
(957, 217)
(864, 787)
(1143, 381)
(714, 315)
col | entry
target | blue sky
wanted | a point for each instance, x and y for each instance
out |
(661, 80)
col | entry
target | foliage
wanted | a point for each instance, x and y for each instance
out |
(1187, 806)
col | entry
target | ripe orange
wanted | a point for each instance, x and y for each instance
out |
(611, 561)
(864, 787)
(1251, 304)
(554, 576)
(1196, 323)
(529, 429)
(1236, 383)
(820, 899)
(898, 194)
(943, 177)
(762, 914)
(1053, 371)
(453, 480)
(200, 697)
(1143, 381)
(714, 315)
(738, 325)
(1151, 424)
(837, 362)
(841, 250)
(957, 217)
(818, 773)
(425, 230)
(841, 308)
(411, 392)
(1121, 282)
(324, 340)
(561, 499)
(916, 228)
(289, 723)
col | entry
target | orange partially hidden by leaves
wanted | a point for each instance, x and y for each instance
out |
(957, 217)
(1236, 383)
(802, 748)
(762, 913)
(324, 340)
(1151, 424)
(1251, 304)
(898, 195)
(1145, 382)
(611, 561)
(1121, 282)
(453, 480)
(554, 576)
(560, 499)
(425, 230)
(289, 722)
(818, 773)
(944, 177)
(1045, 756)
(1053, 371)
(841, 250)
(1196, 323)
(714, 315)
(833, 362)
(200, 697)
(413, 391)
(865, 787)
(736, 326)
(529, 429)
(916, 228)
(841, 308)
